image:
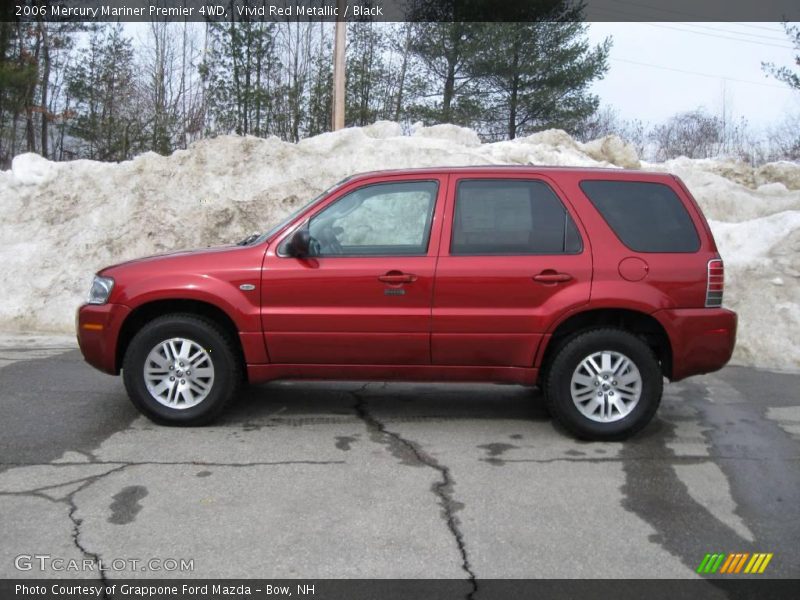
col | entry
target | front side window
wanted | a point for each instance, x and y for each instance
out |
(385, 219)
(507, 217)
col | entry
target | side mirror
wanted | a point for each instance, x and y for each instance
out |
(299, 244)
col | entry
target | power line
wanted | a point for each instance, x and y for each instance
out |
(752, 26)
(728, 31)
(681, 13)
(649, 7)
(698, 73)
(724, 37)
(671, 11)
(694, 17)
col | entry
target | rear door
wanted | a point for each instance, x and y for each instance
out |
(513, 258)
(365, 296)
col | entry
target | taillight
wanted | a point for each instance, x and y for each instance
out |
(715, 283)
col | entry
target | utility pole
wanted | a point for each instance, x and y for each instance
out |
(340, 40)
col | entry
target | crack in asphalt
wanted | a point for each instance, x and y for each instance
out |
(85, 482)
(410, 453)
(684, 459)
(120, 465)
(69, 500)
(76, 534)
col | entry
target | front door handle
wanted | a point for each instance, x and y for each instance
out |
(396, 277)
(551, 276)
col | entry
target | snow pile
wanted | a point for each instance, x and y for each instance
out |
(32, 169)
(613, 149)
(63, 221)
(787, 173)
(763, 275)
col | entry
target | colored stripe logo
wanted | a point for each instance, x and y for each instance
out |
(734, 563)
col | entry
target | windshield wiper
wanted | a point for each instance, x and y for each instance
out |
(249, 239)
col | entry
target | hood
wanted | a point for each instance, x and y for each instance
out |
(182, 259)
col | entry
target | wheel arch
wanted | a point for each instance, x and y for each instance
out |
(148, 311)
(641, 324)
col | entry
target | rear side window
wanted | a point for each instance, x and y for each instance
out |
(646, 217)
(507, 217)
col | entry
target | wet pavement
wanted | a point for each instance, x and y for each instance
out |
(337, 480)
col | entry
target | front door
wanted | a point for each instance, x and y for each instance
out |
(512, 260)
(364, 295)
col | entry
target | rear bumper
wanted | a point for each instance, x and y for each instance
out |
(98, 329)
(702, 339)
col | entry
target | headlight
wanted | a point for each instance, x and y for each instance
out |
(101, 290)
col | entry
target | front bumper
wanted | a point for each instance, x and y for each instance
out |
(98, 328)
(702, 339)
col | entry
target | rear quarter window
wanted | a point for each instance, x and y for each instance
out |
(645, 216)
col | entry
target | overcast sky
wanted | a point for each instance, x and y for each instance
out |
(658, 69)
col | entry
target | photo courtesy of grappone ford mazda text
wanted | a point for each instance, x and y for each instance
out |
(593, 284)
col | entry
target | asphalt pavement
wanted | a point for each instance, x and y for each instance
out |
(371, 480)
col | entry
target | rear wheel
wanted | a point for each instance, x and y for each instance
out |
(604, 384)
(181, 370)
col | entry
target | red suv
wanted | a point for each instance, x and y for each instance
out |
(592, 283)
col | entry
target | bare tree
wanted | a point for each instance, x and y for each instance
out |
(295, 43)
(783, 139)
(606, 121)
(693, 134)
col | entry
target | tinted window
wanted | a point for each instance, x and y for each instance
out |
(511, 217)
(647, 217)
(377, 220)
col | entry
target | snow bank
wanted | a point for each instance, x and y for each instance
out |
(32, 169)
(763, 277)
(63, 221)
(613, 149)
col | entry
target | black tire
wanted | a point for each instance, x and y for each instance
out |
(544, 376)
(558, 396)
(221, 352)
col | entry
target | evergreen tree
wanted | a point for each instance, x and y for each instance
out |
(19, 72)
(785, 74)
(445, 51)
(239, 75)
(320, 97)
(367, 76)
(537, 75)
(506, 78)
(101, 86)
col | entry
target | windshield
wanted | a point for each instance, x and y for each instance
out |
(276, 228)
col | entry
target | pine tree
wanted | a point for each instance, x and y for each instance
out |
(101, 84)
(18, 74)
(320, 98)
(367, 75)
(239, 75)
(537, 75)
(445, 51)
(785, 74)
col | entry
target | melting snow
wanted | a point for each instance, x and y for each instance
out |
(63, 221)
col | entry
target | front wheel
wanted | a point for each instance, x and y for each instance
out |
(181, 370)
(604, 384)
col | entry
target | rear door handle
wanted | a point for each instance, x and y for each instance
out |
(552, 277)
(397, 277)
